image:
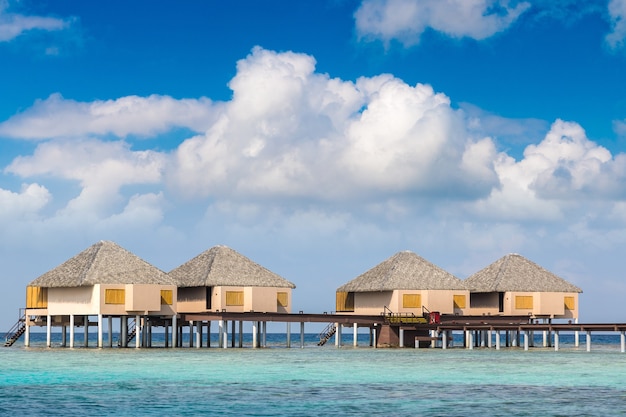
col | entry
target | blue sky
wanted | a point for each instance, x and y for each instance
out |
(318, 138)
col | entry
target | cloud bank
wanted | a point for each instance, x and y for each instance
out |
(406, 20)
(297, 139)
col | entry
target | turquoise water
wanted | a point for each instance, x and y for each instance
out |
(314, 381)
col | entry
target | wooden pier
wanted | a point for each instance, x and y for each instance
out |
(384, 330)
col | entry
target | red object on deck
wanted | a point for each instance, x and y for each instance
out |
(434, 317)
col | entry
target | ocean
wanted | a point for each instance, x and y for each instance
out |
(313, 381)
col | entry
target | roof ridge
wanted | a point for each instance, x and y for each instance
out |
(91, 260)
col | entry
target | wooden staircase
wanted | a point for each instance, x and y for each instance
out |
(327, 333)
(16, 332)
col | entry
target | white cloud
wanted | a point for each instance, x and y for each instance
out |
(406, 20)
(617, 13)
(131, 115)
(565, 168)
(289, 131)
(23, 205)
(13, 25)
(101, 168)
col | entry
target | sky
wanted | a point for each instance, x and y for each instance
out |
(317, 138)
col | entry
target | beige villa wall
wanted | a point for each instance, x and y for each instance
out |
(545, 304)
(192, 300)
(484, 304)
(372, 303)
(76, 300)
(260, 299)
(264, 299)
(146, 298)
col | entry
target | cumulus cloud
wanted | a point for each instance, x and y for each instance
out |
(406, 20)
(289, 131)
(25, 204)
(101, 169)
(131, 115)
(564, 167)
(617, 14)
(13, 25)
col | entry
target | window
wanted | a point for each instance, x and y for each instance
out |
(570, 303)
(524, 302)
(282, 299)
(412, 301)
(167, 297)
(345, 301)
(114, 296)
(459, 301)
(36, 297)
(234, 298)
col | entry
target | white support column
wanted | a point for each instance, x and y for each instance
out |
(27, 332)
(198, 334)
(433, 341)
(545, 338)
(401, 342)
(355, 341)
(338, 334)
(301, 335)
(483, 338)
(71, 330)
(138, 331)
(622, 337)
(444, 340)
(470, 341)
(254, 334)
(110, 325)
(48, 330)
(174, 331)
(576, 334)
(588, 341)
(556, 340)
(100, 331)
(525, 339)
(225, 334)
(489, 335)
(288, 334)
(220, 332)
(497, 339)
(375, 337)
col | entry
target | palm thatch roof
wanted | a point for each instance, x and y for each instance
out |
(223, 266)
(513, 272)
(102, 263)
(404, 271)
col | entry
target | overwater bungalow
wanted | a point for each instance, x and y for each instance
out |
(221, 279)
(106, 281)
(405, 283)
(514, 285)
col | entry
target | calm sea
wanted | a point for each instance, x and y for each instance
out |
(314, 381)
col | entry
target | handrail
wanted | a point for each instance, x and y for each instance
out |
(17, 325)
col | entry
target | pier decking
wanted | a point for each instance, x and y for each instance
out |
(478, 331)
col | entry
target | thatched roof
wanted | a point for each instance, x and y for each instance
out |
(102, 263)
(513, 272)
(404, 271)
(223, 266)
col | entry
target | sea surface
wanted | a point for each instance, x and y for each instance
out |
(313, 381)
